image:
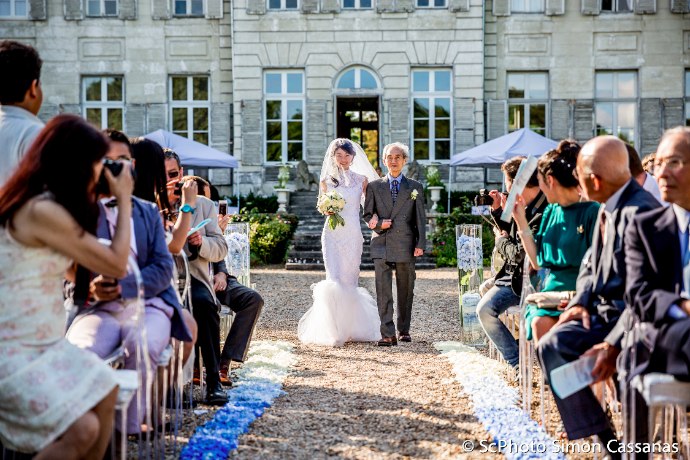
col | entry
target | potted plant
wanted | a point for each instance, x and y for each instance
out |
(281, 187)
(434, 184)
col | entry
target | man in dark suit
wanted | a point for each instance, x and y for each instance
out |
(657, 253)
(604, 175)
(394, 208)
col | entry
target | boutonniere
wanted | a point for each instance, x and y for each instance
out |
(414, 194)
(581, 229)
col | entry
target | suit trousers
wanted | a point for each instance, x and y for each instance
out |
(404, 282)
(207, 317)
(247, 305)
(581, 412)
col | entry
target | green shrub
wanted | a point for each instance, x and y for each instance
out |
(252, 203)
(269, 235)
(443, 239)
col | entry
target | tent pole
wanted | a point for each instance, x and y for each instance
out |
(450, 186)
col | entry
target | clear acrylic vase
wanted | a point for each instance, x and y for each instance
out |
(468, 240)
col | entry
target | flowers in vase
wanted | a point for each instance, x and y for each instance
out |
(469, 252)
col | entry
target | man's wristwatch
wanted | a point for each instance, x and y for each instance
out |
(187, 208)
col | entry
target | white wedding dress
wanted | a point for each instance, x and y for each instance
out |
(342, 311)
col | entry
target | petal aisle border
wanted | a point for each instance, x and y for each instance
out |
(259, 382)
(496, 404)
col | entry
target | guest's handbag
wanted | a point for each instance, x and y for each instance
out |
(551, 300)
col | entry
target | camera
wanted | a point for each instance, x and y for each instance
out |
(483, 199)
(178, 189)
(115, 168)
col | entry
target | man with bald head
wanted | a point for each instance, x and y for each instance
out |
(589, 320)
(657, 249)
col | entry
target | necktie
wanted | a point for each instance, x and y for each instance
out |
(686, 264)
(602, 228)
(394, 190)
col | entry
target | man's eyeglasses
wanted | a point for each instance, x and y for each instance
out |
(173, 174)
(672, 164)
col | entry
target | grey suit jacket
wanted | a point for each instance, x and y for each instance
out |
(601, 281)
(397, 243)
(213, 246)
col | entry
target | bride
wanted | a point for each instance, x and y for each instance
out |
(342, 311)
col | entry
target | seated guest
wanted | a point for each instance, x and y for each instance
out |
(564, 235)
(593, 313)
(657, 255)
(203, 247)
(645, 179)
(57, 400)
(101, 328)
(508, 280)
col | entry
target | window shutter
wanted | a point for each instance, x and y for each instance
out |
(459, 5)
(497, 119)
(399, 120)
(501, 8)
(385, 6)
(310, 6)
(135, 119)
(330, 6)
(402, 6)
(680, 6)
(37, 10)
(256, 6)
(160, 9)
(583, 117)
(554, 7)
(128, 9)
(673, 112)
(645, 6)
(317, 125)
(252, 139)
(591, 7)
(214, 9)
(560, 119)
(73, 10)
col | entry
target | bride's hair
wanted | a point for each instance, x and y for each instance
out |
(347, 147)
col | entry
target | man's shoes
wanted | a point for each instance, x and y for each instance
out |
(225, 374)
(216, 396)
(387, 342)
(405, 338)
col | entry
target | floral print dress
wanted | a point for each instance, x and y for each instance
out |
(46, 383)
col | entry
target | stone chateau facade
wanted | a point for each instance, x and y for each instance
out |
(273, 81)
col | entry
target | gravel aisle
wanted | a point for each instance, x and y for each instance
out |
(362, 401)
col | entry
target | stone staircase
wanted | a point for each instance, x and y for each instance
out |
(305, 251)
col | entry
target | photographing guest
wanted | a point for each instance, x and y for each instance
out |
(56, 399)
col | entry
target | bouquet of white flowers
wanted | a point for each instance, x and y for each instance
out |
(331, 204)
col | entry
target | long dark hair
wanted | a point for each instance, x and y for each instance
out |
(344, 144)
(151, 180)
(560, 163)
(60, 161)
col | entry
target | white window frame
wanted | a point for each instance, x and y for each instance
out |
(104, 104)
(615, 7)
(190, 104)
(283, 6)
(615, 101)
(188, 9)
(358, 79)
(432, 4)
(101, 6)
(687, 97)
(432, 95)
(528, 101)
(524, 6)
(13, 11)
(358, 5)
(283, 97)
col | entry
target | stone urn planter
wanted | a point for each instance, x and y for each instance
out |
(435, 196)
(283, 198)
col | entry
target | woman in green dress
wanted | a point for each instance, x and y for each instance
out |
(565, 233)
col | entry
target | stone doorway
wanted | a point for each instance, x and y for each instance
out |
(358, 120)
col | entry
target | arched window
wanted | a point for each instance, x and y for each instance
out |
(357, 78)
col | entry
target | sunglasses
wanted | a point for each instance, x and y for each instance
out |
(173, 174)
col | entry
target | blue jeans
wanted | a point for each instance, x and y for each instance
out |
(495, 302)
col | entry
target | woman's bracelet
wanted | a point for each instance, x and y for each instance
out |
(525, 233)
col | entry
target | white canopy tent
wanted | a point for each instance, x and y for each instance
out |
(522, 142)
(193, 153)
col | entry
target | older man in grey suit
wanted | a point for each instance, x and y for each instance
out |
(590, 319)
(394, 208)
